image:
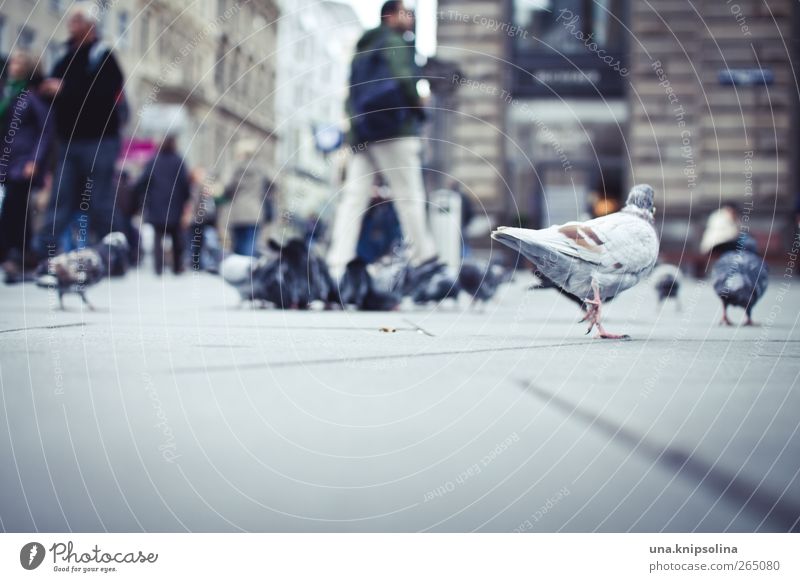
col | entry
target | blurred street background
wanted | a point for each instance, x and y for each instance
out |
(217, 130)
(539, 111)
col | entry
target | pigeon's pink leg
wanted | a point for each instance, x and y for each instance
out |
(603, 334)
(725, 320)
(593, 309)
(596, 304)
(749, 322)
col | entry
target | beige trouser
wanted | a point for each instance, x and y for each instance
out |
(398, 161)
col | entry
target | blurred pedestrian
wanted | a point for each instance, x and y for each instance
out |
(26, 138)
(86, 86)
(164, 190)
(128, 205)
(385, 112)
(250, 197)
(722, 230)
(204, 241)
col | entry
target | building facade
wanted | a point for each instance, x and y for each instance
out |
(470, 106)
(713, 103)
(203, 70)
(316, 41)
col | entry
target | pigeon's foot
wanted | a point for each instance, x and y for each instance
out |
(615, 336)
(592, 316)
(750, 323)
(603, 334)
(725, 320)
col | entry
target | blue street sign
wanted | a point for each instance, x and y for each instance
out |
(746, 77)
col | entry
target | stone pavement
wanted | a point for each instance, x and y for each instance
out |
(170, 409)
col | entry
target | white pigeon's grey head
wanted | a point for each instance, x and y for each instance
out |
(642, 196)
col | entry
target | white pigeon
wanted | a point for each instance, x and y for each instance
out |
(237, 271)
(597, 259)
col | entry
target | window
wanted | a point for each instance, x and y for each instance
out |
(122, 29)
(561, 24)
(219, 67)
(572, 47)
(144, 31)
(26, 38)
(236, 61)
(252, 85)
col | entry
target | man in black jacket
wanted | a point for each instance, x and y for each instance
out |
(86, 87)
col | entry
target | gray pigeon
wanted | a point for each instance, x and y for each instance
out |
(740, 278)
(481, 281)
(667, 283)
(76, 271)
(294, 279)
(361, 289)
(597, 259)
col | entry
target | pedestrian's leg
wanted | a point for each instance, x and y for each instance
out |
(212, 248)
(62, 204)
(253, 244)
(132, 234)
(399, 162)
(14, 220)
(245, 240)
(237, 233)
(101, 186)
(158, 248)
(350, 213)
(176, 234)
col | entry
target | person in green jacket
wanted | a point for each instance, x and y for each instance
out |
(396, 156)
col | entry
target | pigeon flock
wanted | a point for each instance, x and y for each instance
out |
(588, 262)
(293, 276)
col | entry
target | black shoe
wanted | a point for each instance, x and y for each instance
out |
(13, 272)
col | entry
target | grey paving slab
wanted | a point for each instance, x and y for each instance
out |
(170, 409)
